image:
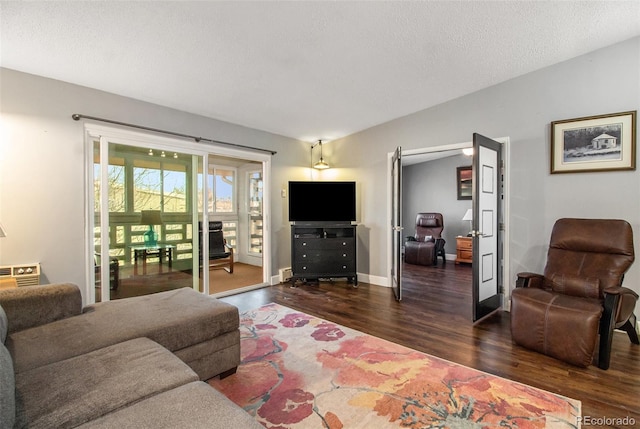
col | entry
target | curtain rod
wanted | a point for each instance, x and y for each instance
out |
(77, 117)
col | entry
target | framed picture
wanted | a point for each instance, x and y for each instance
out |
(594, 143)
(463, 181)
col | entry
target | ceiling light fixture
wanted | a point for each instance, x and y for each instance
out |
(467, 151)
(320, 165)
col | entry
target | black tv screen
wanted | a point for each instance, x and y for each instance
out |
(322, 201)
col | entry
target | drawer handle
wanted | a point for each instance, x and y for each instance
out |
(344, 255)
(344, 267)
(304, 256)
(304, 268)
(304, 243)
(344, 244)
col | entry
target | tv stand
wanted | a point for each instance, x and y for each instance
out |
(323, 251)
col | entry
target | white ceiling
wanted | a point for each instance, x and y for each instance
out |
(307, 70)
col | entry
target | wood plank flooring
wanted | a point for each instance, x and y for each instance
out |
(435, 317)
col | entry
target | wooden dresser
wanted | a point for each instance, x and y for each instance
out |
(464, 250)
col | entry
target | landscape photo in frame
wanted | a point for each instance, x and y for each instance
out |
(594, 143)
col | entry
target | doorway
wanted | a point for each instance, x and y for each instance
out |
(454, 225)
(148, 198)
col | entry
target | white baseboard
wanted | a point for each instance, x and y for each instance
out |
(374, 280)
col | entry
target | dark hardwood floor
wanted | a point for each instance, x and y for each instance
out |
(434, 317)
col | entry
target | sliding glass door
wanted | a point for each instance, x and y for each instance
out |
(144, 240)
(152, 204)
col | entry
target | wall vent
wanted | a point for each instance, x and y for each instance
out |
(25, 274)
(285, 274)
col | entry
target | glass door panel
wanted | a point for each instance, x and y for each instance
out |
(150, 207)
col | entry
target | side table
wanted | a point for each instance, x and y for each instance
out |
(162, 251)
(464, 250)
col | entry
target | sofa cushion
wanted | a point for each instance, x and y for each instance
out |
(76, 390)
(29, 306)
(7, 390)
(194, 405)
(4, 324)
(175, 319)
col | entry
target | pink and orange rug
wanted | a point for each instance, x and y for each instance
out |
(299, 371)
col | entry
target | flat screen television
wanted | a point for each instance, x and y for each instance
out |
(322, 202)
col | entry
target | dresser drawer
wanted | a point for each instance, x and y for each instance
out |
(302, 244)
(323, 268)
(465, 254)
(464, 243)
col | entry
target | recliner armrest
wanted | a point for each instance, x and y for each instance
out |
(530, 280)
(30, 306)
(620, 290)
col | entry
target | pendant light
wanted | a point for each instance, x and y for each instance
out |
(320, 165)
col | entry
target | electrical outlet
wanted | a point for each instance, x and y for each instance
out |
(283, 193)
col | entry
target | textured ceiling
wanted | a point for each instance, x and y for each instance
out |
(306, 70)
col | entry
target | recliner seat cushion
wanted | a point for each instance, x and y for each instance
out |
(175, 319)
(561, 326)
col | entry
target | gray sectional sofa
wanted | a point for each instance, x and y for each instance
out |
(138, 362)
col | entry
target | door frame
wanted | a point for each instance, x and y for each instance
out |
(93, 131)
(506, 206)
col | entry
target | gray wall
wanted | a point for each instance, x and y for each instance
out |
(42, 174)
(42, 177)
(604, 81)
(431, 187)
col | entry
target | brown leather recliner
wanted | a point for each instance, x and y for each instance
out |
(580, 294)
(427, 243)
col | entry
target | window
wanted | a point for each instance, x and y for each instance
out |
(255, 212)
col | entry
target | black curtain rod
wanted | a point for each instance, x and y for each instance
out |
(77, 117)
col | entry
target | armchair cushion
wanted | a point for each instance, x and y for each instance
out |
(586, 287)
(428, 222)
(557, 325)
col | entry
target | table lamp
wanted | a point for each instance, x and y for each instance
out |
(151, 218)
(469, 216)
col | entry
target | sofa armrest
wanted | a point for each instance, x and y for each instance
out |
(530, 280)
(30, 306)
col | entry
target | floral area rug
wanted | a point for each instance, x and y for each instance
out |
(299, 371)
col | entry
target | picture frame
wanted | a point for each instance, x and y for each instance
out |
(464, 182)
(594, 143)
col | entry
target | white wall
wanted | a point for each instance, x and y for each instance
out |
(42, 182)
(604, 81)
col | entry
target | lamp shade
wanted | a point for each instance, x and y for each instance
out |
(468, 215)
(321, 165)
(151, 217)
